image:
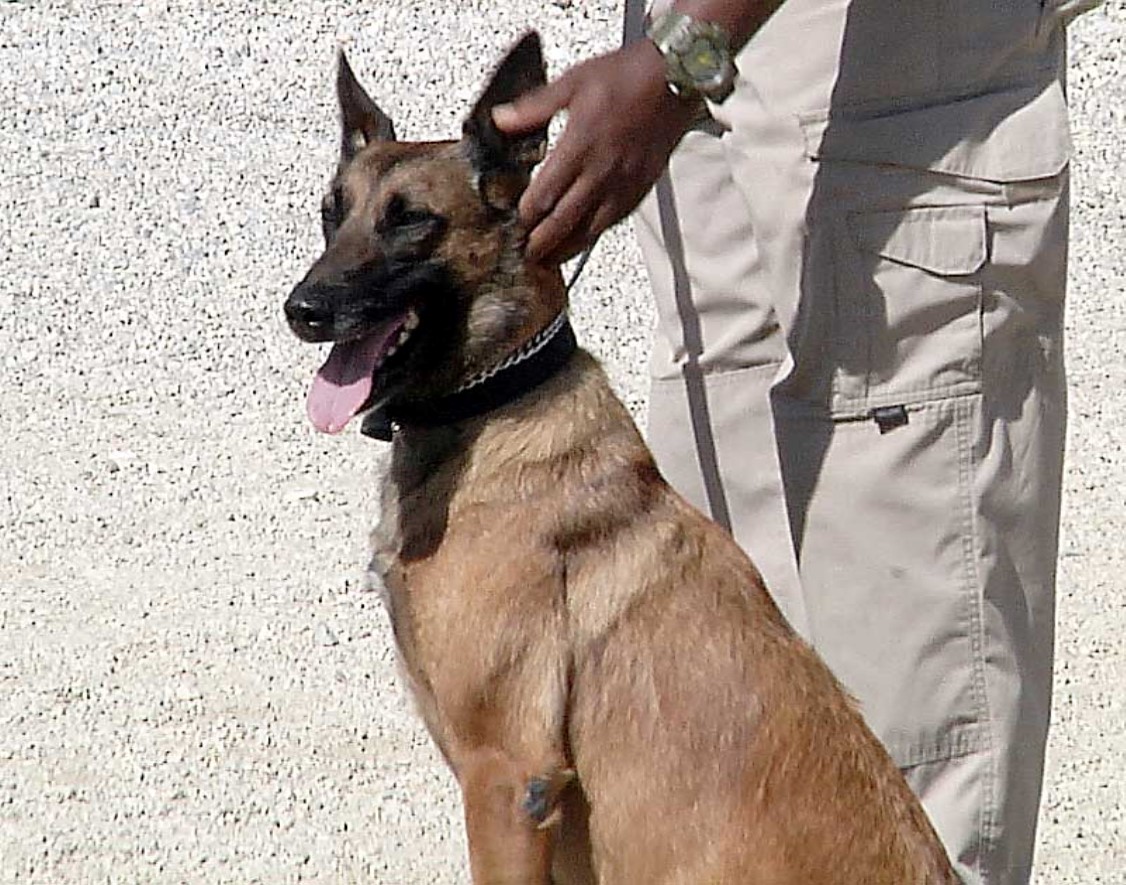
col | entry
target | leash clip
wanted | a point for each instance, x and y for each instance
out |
(377, 425)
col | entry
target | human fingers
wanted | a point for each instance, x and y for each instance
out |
(555, 245)
(563, 220)
(533, 109)
(582, 238)
(580, 148)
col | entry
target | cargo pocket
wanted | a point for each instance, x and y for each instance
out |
(908, 307)
(987, 137)
(905, 201)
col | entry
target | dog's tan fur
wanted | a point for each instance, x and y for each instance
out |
(601, 666)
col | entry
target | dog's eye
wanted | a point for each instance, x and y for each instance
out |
(399, 214)
(415, 216)
(333, 211)
(409, 230)
(334, 202)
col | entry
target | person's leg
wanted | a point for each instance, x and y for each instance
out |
(927, 545)
(912, 252)
(717, 355)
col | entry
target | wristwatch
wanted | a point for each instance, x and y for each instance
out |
(697, 55)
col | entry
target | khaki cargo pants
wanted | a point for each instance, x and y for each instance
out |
(859, 267)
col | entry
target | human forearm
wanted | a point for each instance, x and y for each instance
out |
(740, 18)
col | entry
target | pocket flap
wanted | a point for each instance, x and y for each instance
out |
(1017, 134)
(945, 240)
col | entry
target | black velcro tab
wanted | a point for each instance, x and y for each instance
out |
(889, 417)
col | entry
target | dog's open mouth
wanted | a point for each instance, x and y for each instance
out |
(343, 386)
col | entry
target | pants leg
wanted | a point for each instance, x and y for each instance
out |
(718, 353)
(852, 243)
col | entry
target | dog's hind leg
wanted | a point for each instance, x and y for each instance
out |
(512, 816)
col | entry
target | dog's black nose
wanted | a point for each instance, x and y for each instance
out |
(309, 316)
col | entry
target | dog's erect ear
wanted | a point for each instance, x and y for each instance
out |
(493, 154)
(361, 120)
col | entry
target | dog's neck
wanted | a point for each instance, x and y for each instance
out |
(517, 374)
(544, 347)
(516, 450)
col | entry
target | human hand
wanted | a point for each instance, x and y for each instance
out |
(622, 125)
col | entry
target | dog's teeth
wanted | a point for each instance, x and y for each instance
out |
(409, 324)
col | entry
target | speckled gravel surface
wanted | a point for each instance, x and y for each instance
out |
(192, 686)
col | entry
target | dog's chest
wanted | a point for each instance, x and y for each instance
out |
(467, 592)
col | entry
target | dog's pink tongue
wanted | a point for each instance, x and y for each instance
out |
(343, 384)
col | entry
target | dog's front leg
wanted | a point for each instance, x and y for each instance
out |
(512, 816)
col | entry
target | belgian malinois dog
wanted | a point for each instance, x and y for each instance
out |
(619, 698)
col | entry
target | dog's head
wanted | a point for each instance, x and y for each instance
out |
(422, 281)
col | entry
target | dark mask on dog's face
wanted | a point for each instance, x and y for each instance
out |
(415, 233)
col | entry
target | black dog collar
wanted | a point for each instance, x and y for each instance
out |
(542, 356)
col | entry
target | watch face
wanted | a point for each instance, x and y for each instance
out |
(703, 62)
(697, 55)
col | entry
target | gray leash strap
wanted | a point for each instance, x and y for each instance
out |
(633, 28)
(699, 413)
(580, 263)
(633, 21)
(695, 386)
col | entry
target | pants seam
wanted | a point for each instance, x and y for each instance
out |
(718, 374)
(964, 411)
(961, 741)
